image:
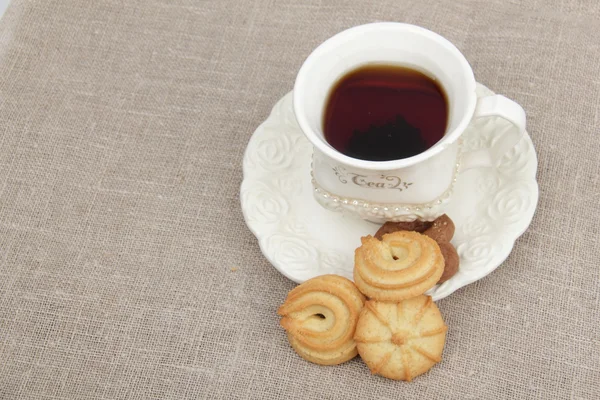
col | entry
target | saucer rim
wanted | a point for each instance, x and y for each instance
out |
(439, 292)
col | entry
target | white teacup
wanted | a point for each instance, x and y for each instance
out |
(409, 188)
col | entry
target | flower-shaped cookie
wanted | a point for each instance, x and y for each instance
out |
(400, 340)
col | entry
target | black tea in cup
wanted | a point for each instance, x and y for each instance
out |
(385, 112)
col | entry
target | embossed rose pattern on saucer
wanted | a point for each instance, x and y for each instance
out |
(491, 207)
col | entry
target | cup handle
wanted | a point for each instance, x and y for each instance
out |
(496, 106)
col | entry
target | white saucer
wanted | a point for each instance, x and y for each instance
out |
(491, 207)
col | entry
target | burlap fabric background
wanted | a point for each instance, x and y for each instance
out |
(122, 129)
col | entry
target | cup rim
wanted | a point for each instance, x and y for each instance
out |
(343, 36)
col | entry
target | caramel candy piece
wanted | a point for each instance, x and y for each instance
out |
(414, 226)
(451, 259)
(441, 230)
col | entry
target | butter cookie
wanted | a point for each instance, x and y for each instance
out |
(401, 340)
(400, 266)
(441, 230)
(320, 318)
